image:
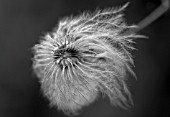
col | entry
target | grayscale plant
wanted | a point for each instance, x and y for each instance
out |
(84, 56)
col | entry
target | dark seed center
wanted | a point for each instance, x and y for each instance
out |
(65, 53)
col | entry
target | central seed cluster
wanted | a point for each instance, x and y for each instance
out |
(64, 55)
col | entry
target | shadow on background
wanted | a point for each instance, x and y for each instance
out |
(23, 21)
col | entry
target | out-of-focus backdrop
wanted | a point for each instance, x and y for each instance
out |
(23, 21)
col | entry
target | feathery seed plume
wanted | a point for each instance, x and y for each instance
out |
(83, 56)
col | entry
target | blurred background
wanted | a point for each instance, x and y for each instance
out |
(23, 21)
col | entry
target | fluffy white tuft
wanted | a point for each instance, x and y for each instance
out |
(83, 56)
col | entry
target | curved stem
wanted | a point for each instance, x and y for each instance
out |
(153, 16)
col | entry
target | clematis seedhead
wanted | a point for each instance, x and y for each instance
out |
(84, 56)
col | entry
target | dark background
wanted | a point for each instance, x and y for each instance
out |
(23, 21)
